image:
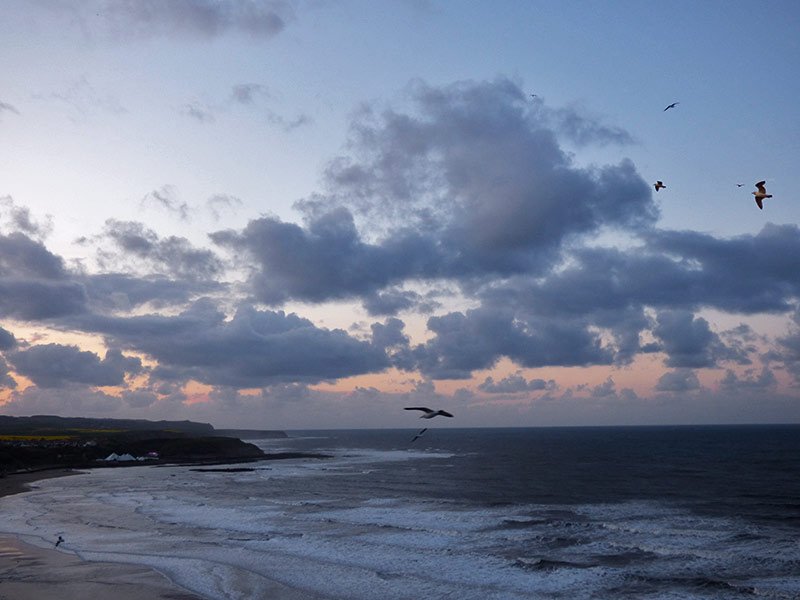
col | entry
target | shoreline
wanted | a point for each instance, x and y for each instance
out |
(22, 481)
(28, 572)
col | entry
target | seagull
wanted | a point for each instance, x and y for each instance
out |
(419, 435)
(673, 105)
(658, 185)
(59, 541)
(429, 414)
(739, 184)
(761, 194)
(534, 96)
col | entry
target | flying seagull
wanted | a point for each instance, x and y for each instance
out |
(739, 184)
(673, 105)
(658, 185)
(761, 194)
(429, 414)
(419, 435)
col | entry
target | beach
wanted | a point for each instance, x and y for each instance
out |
(28, 572)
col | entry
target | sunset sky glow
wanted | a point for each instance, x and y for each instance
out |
(311, 213)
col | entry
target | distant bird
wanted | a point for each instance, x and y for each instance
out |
(739, 185)
(673, 105)
(429, 414)
(59, 541)
(658, 185)
(534, 96)
(419, 435)
(761, 194)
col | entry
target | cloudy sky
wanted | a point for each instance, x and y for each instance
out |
(312, 213)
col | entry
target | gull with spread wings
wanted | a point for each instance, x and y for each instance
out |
(429, 414)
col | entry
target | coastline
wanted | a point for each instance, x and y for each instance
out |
(28, 572)
(19, 482)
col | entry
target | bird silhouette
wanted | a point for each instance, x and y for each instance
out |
(59, 541)
(673, 105)
(429, 414)
(658, 185)
(761, 194)
(419, 435)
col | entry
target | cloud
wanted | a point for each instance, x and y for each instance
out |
(584, 130)
(680, 380)
(205, 19)
(218, 203)
(82, 99)
(6, 381)
(689, 342)
(5, 107)
(54, 365)
(34, 283)
(19, 218)
(478, 338)
(470, 185)
(761, 381)
(120, 292)
(165, 197)
(172, 255)
(252, 349)
(246, 93)
(7, 340)
(515, 383)
(199, 113)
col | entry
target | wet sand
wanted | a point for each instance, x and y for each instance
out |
(29, 572)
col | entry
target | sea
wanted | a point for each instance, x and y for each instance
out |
(709, 512)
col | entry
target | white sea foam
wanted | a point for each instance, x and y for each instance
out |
(234, 535)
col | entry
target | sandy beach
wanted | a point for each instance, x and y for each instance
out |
(29, 572)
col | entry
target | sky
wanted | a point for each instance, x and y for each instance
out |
(311, 214)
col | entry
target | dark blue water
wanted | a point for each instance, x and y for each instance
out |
(706, 513)
(749, 471)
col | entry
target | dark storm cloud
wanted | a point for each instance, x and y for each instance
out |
(121, 292)
(252, 349)
(197, 18)
(515, 383)
(34, 283)
(680, 380)
(19, 219)
(7, 340)
(465, 342)
(689, 341)
(762, 381)
(54, 365)
(477, 183)
(391, 301)
(748, 273)
(21, 256)
(327, 259)
(6, 381)
(788, 348)
(173, 255)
